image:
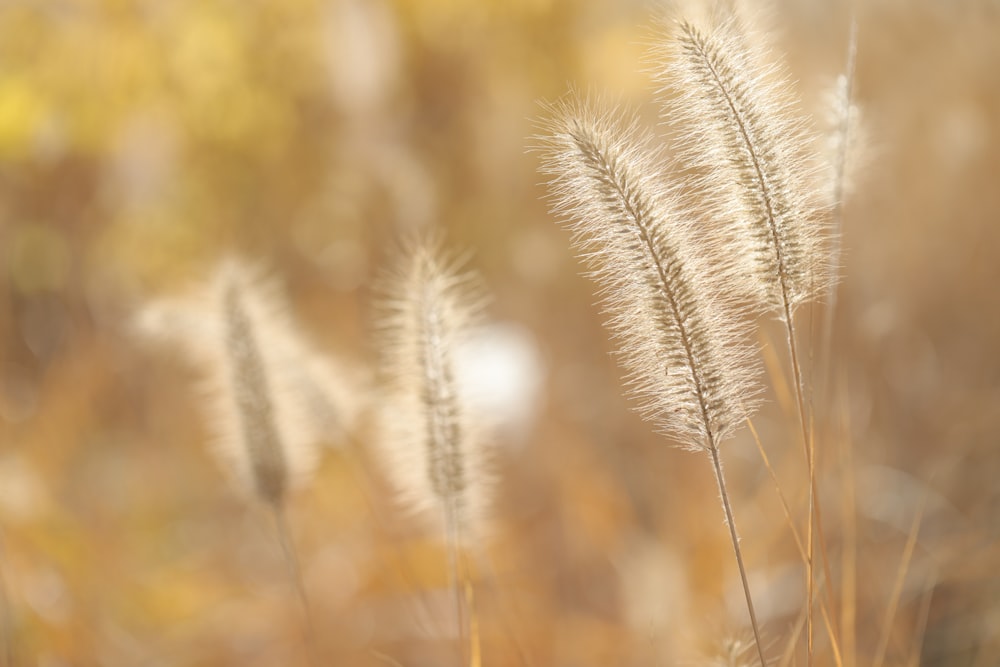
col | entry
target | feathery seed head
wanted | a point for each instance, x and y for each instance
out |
(270, 396)
(252, 397)
(847, 142)
(741, 130)
(679, 337)
(432, 440)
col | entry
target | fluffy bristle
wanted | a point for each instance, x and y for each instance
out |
(740, 128)
(433, 443)
(676, 326)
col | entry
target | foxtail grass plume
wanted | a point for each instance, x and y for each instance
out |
(846, 140)
(847, 143)
(680, 338)
(269, 396)
(736, 111)
(847, 150)
(432, 437)
(738, 126)
(678, 331)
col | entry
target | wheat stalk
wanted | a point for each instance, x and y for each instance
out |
(738, 116)
(680, 341)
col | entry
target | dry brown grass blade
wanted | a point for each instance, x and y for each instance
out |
(475, 650)
(777, 486)
(897, 588)
(7, 638)
(359, 470)
(793, 640)
(921, 628)
(849, 542)
(773, 366)
(798, 540)
(505, 612)
(837, 657)
(775, 373)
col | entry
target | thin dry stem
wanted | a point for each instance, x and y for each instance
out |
(295, 577)
(456, 580)
(849, 552)
(921, 627)
(6, 625)
(810, 462)
(897, 587)
(739, 553)
(798, 540)
(793, 640)
(475, 649)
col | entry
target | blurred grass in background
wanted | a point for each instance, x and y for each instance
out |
(141, 141)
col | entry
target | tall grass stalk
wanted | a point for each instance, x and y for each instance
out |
(263, 390)
(265, 450)
(434, 444)
(666, 288)
(741, 129)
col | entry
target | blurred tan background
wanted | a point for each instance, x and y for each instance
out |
(140, 141)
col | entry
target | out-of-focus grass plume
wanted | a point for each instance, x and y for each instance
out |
(140, 142)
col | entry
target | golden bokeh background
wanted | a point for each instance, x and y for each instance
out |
(141, 141)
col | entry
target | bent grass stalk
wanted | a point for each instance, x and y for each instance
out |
(678, 335)
(755, 165)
